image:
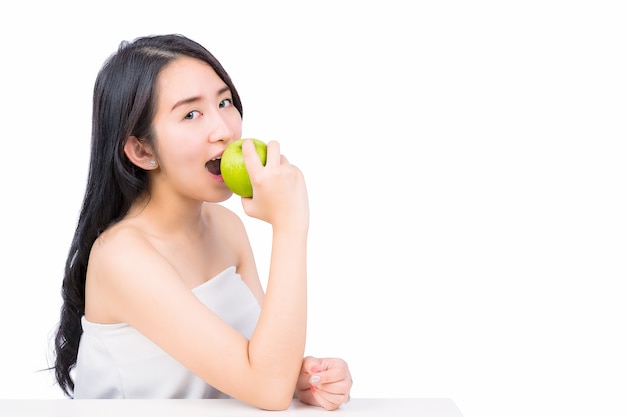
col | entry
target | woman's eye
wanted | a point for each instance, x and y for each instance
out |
(226, 102)
(192, 115)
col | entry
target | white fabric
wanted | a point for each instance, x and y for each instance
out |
(116, 361)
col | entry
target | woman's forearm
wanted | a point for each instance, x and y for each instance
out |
(277, 346)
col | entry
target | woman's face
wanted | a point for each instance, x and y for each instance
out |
(194, 122)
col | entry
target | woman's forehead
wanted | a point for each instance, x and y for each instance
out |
(187, 77)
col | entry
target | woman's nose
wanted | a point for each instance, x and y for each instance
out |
(219, 129)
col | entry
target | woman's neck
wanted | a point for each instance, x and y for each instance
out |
(169, 216)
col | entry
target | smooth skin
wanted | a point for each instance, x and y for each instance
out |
(142, 269)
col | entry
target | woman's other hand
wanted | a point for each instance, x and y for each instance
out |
(324, 382)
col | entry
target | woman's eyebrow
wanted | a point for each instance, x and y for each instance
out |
(223, 90)
(185, 101)
(197, 98)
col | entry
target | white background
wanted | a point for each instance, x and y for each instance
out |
(465, 165)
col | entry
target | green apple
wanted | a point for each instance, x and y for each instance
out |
(234, 170)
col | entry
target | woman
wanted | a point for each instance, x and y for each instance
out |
(161, 296)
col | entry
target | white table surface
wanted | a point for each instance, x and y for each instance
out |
(396, 407)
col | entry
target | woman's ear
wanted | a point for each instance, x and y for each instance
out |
(139, 153)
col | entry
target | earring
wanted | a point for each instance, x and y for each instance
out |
(152, 164)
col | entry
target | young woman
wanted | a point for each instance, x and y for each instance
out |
(161, 295)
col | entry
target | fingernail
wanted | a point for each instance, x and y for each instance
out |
(314, 380)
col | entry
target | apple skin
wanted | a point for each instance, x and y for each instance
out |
(233, 167)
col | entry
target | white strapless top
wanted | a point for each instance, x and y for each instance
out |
(116, 361)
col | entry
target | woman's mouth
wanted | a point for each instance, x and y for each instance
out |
(213, 166)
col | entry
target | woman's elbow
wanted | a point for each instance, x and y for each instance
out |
(276, 399)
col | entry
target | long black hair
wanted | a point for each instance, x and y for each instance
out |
(123, 105)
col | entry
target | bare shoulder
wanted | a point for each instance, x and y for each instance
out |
(123, 266)
(222, 214)
(227, 223)
(117, 242)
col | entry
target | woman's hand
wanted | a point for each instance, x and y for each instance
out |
(324, 382)
(280, 195)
